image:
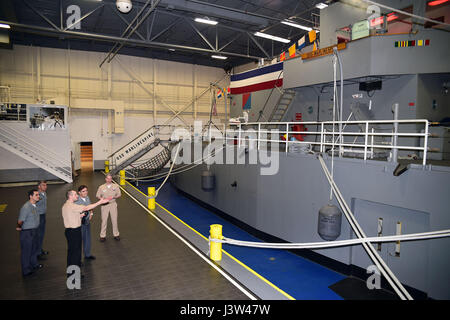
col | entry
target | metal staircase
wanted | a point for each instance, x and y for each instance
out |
(135, 149)
(282, 105)
(34, 152)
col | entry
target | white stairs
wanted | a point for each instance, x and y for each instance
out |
(282, 105)
(34, 152)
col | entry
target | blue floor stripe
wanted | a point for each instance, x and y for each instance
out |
(299, 277)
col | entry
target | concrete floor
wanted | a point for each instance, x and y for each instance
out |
(148, 263)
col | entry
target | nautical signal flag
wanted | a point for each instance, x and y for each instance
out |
(292, 51)
(219, 94)
(246, 101)
(283, 56)
(301, 43)
(312, 36)
(308, 39)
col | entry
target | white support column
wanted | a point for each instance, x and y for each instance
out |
(155, 112)
(395, 137)
(194, 91)
(366, 140)
(38, 73)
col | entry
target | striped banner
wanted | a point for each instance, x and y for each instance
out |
(257, 79)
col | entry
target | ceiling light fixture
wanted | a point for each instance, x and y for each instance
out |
(295, 25)
(5, 26)
(268, 36)
(219, 57)
(206, 20)
(321, 5)
(124, 6)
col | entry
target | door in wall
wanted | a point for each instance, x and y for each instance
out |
(86, 156)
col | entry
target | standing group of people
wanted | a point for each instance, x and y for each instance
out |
(77, 214)
(31, 224)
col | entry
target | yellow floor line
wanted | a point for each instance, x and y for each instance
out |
(228, 254)
(234, 258)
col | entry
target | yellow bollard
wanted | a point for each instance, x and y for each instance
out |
(215, 248)
(122, 177)
(106, 166)
(151, 201)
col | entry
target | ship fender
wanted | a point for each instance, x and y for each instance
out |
(329, 225)
(208, 180)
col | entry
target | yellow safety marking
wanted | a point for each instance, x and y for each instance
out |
(232, 257)
(3, 207)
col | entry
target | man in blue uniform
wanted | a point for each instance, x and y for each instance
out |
(28, 224)
(84, 200)
(41, 206)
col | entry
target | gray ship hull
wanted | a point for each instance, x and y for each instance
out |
(286, 205)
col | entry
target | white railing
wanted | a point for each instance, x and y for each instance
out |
(328, 136)
(38, 152)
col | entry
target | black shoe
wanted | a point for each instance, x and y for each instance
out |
(39, 266)
(117, 238)
(102, 239)
(89, 258)
(43, 252)
(28, 274)
(41, 257)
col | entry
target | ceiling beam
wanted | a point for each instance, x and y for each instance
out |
(107, 38)
(200, 34)
(41, 15)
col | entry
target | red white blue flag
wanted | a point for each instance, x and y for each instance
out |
(258, 79)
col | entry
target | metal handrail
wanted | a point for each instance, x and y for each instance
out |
(46, 149)
(28, 146)
(56, 162)
(138, 136)
(237, 128)
(129, 142)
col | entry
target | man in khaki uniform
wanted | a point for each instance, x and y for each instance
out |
(72, 214)
(109, 190)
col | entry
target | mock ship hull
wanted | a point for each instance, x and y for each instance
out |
(286, 205)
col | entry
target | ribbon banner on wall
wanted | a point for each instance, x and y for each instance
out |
(257, 79)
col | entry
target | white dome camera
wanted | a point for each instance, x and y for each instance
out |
(124, 6)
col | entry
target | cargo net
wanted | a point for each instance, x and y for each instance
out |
(151, 166)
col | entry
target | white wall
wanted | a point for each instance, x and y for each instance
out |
(36, 74)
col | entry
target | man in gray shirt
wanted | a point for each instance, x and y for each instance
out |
(28, 224)
(84, 200)
(41, 206)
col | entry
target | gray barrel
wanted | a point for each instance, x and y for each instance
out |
(329, 226)
(208, 180)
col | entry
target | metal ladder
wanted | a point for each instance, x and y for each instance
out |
(282, 105)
